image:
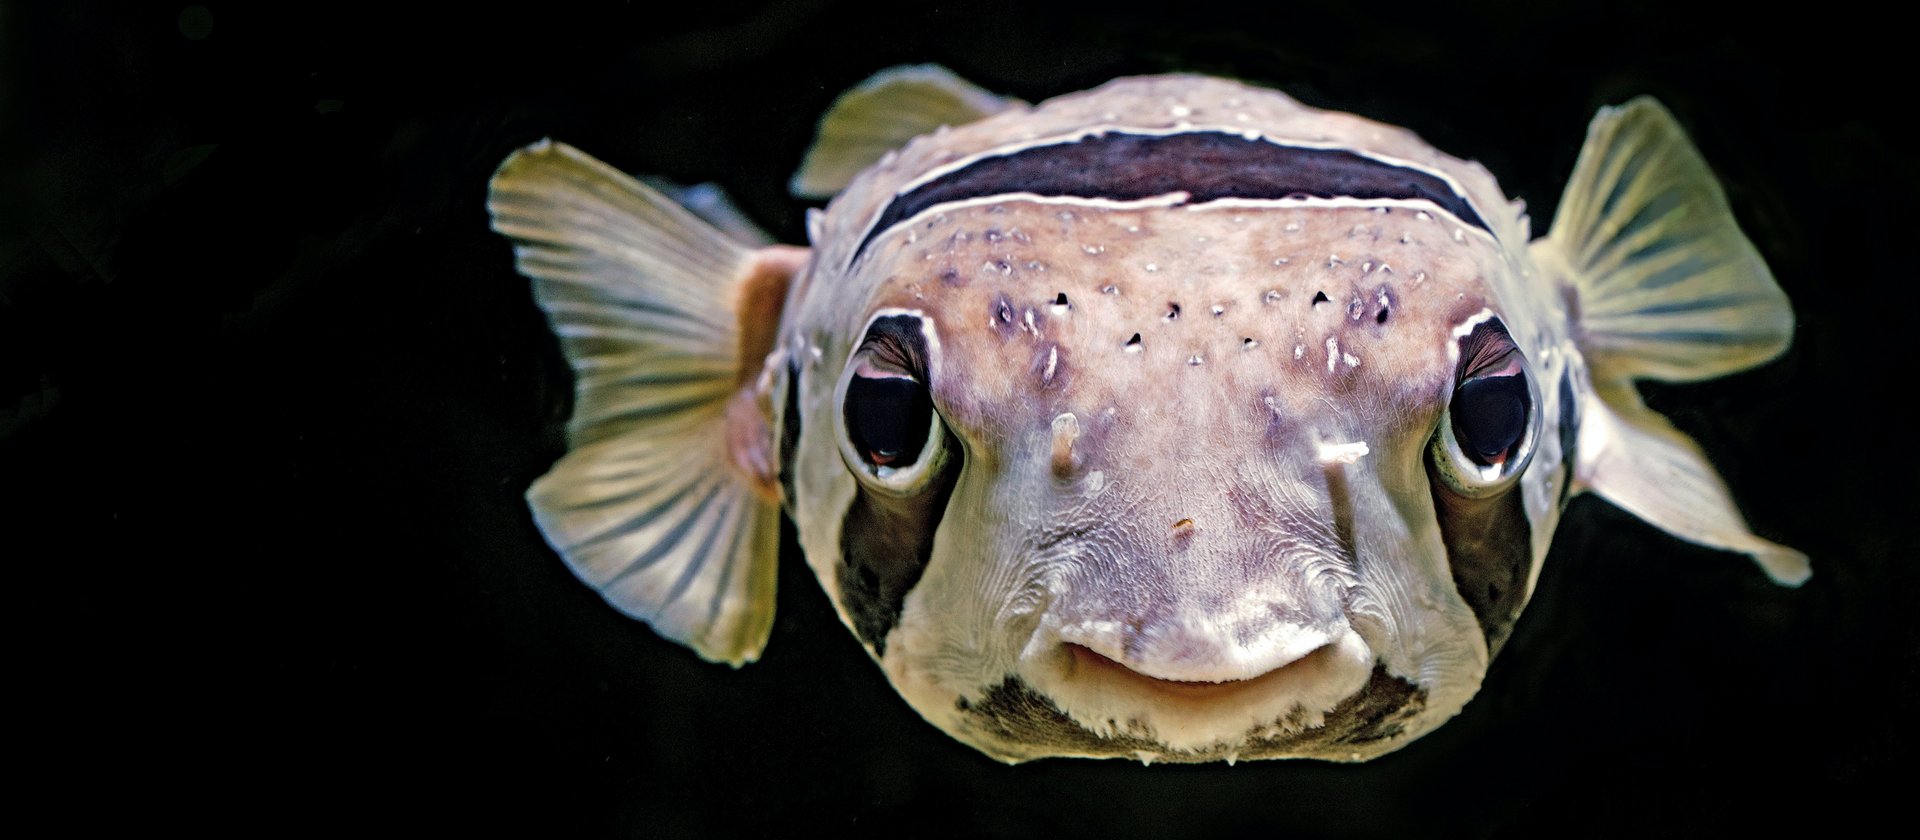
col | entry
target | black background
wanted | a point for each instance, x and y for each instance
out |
(270, 392)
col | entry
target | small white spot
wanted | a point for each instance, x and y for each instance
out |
(1180, 111)
(1217, 310)
(1292, 227)
(1351, 360)
(1419, 277)
(1386, 269)
(1020, 236)
(1355, 308)
(1110, 289)
(1029, 325)
(1065, 215)
(1333, 353)
(1094, 249)
(1036, 265)
(1053, 363)
(1423, 215)
(913, 236)
(1343, 453)
(1249, 343)
(1459, 234)
(1334, 261)
(1299, 351)
(1406, 238)
(1151, 268)
(1242, 116)
(1195, 360)
(1239, 220)
(1133, 228)
(1272, 296)
(1281, 260)
(1366, 267)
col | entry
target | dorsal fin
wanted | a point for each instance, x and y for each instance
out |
(881, 114)
(1669, 288)
(665, 502)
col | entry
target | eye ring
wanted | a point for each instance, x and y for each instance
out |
(1491, 421)
(889, 432)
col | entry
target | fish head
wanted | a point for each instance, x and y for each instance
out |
(1171, 482)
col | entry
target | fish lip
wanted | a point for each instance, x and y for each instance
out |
(1086, 662)
(1269, 701)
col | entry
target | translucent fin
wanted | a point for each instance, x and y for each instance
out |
(712, 204)
(654, 507)
(1669, 288)
(1639, 461)
(882, 114)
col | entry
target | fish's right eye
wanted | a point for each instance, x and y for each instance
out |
(888, 419)
(891, 434)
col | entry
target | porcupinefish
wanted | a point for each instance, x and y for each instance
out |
(1171, 420)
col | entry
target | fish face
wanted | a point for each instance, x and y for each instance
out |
(1173, 485)
(1172, 420)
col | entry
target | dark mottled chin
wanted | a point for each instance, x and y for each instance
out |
(1014, 722)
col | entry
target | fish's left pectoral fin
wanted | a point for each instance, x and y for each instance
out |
(667, 502)
(1633, 457)
(1668, 286)
(880, 115)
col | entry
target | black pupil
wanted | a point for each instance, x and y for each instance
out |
(1489, 416)
(888, 419)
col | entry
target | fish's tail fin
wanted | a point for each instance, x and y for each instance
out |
(1665, 287)
(667, 501)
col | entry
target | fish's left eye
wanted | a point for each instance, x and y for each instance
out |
(1487, 434)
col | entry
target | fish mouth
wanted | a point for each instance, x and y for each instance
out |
(1200, 705)
(1086, 663)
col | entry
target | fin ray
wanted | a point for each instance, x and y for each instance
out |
(647, 506)
(1669, 288)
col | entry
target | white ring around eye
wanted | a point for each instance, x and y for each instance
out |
(1477, 481)
(931, 460)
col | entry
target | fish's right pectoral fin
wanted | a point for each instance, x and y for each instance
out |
(880, 115)
(667, 502)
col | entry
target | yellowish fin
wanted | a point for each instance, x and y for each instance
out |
(882, 114)
(667, 501)
(1666, 287)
